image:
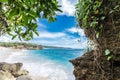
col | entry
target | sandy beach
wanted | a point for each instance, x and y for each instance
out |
(6, 52)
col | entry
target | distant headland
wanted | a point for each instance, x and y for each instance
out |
(21, 45)
(28, 46)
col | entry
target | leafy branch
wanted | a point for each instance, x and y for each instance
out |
(20, 16)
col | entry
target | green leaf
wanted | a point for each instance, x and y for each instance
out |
(59, 10)
(33, 13)
(36, 33)
(23, 35)
(13, 12)
(10, 1)
(10, 34)
(107, 52)
(111, 11)
(117, 6)
(93, 24)
(103, 17)
(19, 30)
(14, 37)
(31, 35)
(84, 21)
(110, 57)
(27, 39)
(97, 35)
(3, 0)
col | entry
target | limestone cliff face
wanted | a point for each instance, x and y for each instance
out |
(94, 65)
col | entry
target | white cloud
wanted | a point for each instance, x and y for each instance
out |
(72, 30)
(7, 38)
(52, 39)
(76, 30)
(45, 34)
(59, 39)
(41, 25)
(65, 41)
(68, 7)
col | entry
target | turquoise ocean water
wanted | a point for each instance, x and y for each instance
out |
(49, 63)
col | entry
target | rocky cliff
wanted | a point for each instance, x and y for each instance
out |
(94, 65)
(88, 67)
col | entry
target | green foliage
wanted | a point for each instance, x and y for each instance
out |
(18, 17)
(93, 13)
(107, 52)
(109, 55)
(86, 11)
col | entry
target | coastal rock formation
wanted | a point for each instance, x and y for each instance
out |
(5, 75)
(13, 72)
(24, 78)
(87, 68)
(12, 68)
(95, 64)
(20, 73)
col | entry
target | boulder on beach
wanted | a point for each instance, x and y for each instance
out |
(5, 75)
(24, 77)
(20, 73)
(13, 72)
(10, 67)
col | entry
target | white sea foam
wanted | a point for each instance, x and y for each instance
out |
(40, 68)
(5, 53)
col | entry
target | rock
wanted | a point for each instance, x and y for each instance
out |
(18, 65)
(12, 68)
(88, 68)
(13, 72)
(24, 77)
(21, 72)
(5, 75)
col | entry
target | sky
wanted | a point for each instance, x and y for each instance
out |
(62, 32)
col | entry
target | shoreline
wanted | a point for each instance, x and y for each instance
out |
(10, 55)
(7, 52)
(40, 66)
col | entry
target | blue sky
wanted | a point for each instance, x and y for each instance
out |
(62, 32)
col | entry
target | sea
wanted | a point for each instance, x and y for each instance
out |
(46, 64)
